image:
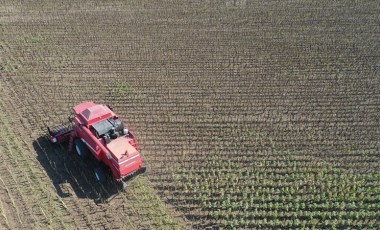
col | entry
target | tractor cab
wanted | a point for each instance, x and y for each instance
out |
(89, 113)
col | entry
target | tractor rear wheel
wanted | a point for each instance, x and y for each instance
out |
(81, 149)
(99, 175)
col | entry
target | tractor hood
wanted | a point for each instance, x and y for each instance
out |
(125, 156)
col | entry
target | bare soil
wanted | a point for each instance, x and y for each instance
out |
(202, 83)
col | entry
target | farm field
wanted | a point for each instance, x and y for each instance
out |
(250, 114)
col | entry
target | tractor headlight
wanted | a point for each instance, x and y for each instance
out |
(54, 140)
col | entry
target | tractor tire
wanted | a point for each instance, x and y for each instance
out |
(99, 175)
(81, 149)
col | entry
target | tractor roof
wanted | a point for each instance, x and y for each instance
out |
(89, 112)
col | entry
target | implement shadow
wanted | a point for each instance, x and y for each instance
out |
(70, 174)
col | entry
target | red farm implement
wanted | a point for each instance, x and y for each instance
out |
(95, 129)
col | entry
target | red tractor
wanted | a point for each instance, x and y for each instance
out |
(96, 129)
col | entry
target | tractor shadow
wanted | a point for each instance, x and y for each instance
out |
(70, 174)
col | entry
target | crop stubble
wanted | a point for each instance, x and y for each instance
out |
(248, 113)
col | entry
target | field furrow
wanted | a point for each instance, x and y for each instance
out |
(249, 114)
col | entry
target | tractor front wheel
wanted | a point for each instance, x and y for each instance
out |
(81, 149)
